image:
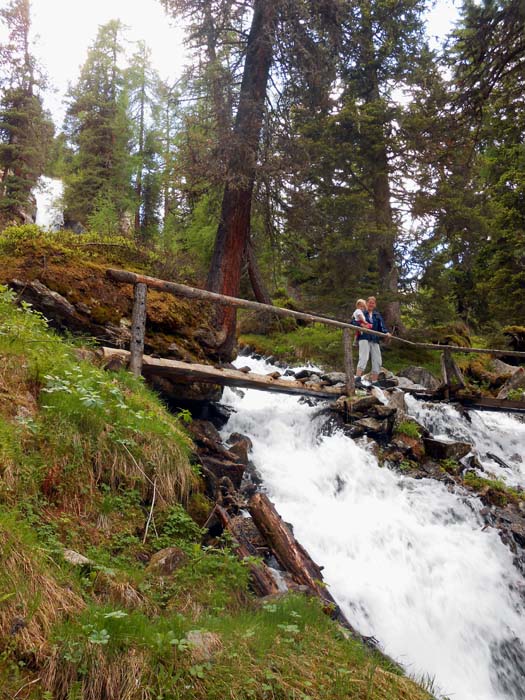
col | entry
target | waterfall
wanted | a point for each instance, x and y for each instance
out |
(407, 560)
(499, 434)
(48, 194)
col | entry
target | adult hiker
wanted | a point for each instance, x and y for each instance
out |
(369, 345)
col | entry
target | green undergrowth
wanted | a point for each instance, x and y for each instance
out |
(321, 345)
(92, 464)
(500, 494)
(409, 428)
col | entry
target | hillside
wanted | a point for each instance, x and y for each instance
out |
(97, 480)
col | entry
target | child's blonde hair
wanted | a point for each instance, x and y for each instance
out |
(360, 301)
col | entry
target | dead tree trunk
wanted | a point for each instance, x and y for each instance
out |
(233, 230)
(261, 579)
(290, 554)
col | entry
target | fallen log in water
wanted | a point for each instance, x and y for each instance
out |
(293, 557)
(262, 581)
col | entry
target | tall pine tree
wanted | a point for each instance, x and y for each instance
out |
(26, 130)
(98, 130)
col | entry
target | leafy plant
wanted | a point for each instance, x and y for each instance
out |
(409, 428)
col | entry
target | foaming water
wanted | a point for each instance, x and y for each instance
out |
(501, 434)
(407, 560)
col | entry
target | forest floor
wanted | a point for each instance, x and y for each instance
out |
(85, 611)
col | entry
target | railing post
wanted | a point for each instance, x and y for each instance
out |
(349, 362)
(138, 327)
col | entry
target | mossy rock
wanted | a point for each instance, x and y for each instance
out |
(450, 334)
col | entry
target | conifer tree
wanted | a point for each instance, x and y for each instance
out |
(26, 130)
(98, 129)
(143, 85)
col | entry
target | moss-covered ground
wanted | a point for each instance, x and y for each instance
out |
(75, 267)
(93, 462)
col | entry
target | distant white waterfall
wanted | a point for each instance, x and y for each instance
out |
(408, 561)
(49, 211)
(499, 434)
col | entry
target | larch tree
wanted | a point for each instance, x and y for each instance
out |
(255, 26)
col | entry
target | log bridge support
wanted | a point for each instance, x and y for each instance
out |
(451, 374)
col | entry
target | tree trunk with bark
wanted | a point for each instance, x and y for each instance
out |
(254, 273)
(234, 226)
(385, 236)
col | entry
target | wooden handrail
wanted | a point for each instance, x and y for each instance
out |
(183, 290)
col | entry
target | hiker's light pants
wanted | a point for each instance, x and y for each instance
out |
(372, 350)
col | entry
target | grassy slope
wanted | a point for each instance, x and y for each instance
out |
(80, 450)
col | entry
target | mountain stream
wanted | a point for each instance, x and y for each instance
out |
(409, 562)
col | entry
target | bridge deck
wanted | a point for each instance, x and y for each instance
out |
(185, 372)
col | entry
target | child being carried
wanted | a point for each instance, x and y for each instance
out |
(358, 317)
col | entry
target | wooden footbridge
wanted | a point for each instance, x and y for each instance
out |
(184, 372)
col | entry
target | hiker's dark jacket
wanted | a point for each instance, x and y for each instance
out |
(377, 325)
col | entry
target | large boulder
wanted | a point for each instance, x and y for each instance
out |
(421, 376)
(379, 429)
(515, 383)
(501, 368)
(334, 378)
(166, 561)
(443, 449)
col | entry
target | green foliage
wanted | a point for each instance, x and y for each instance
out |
(104, 217)
(501, 493)
(516, 395)
(26, 130)
(409, 428)
(450, 466)
(91, 427)
(178, 528)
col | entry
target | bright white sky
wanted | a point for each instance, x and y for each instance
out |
(66, 28)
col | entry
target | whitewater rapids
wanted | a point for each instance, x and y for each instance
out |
(408, 561)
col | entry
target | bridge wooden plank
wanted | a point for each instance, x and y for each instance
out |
(185, 372)
(490, 404)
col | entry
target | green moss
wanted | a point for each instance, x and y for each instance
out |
(501, 494)
(450, 466)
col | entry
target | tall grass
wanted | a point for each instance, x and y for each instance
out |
(85, 427)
